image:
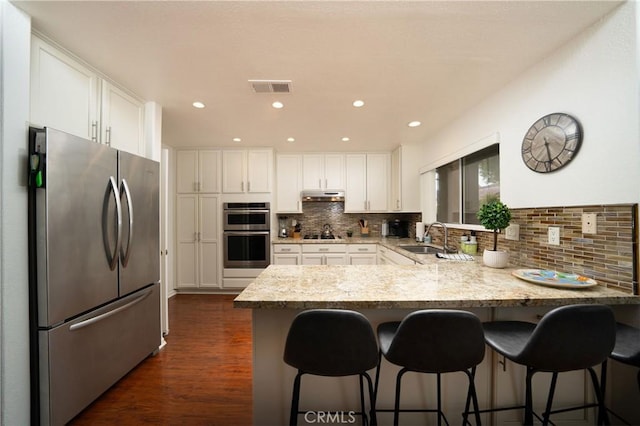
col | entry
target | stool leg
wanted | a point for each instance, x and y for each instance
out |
(372, 400)
(552, 389)
(293, 417)
(439, 400)
(396, 409)
(465, 414)
(603, 417)
(375, 391)
(472, 396)
(364, 415)
(528, 403)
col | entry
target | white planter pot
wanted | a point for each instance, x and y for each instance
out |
(495, 259)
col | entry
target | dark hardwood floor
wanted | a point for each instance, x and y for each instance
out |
(201, 377)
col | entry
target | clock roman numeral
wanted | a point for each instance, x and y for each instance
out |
(573, 135)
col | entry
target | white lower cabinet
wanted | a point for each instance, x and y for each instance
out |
(362, 254)
(197, 241)
(286, 254)
(324, 254)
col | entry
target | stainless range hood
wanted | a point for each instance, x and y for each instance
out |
(322, 195)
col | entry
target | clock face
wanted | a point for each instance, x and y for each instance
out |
(551, 142)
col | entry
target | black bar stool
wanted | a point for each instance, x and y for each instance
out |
(573, 337)
(627, 350)
(334, 343)
(433, 341)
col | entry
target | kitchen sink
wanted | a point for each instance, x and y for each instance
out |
(422, 249)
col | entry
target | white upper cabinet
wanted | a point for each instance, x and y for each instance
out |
(198, 171)
(259, 170)
(323, 171)
(64, 93)
(69, 96)
(122, 120)
(405, 179)
(288, 183)
(234, 175)
(367, 182)
(247, 170)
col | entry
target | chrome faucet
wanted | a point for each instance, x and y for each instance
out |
(444, 229)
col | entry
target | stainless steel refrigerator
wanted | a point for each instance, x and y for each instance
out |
(94, 269)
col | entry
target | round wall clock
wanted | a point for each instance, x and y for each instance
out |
(551, 142)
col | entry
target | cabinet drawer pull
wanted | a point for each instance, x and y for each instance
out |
(285, 249)
(363, 249)
(323, 249)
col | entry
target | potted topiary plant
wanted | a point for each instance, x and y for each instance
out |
(495, 215)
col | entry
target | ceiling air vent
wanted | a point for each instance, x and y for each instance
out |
(271, 86)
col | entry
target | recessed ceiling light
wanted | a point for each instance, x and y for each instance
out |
(277, 105)
(291, 140)
(345, 139)
(414, 124)
(358, 103)
(237, 140)
(198, 104)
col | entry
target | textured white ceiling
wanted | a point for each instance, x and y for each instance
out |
(421, 60)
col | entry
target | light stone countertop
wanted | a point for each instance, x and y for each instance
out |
(436, 284)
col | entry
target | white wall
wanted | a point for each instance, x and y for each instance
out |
(594, 77)
(15, 36)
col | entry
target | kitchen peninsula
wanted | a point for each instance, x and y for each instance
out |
(389, 292)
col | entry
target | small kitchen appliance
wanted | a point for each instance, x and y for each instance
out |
(399, 228)
(283, 231)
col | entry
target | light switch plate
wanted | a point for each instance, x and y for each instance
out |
(589, 223)
(554, 235)
(512, 232)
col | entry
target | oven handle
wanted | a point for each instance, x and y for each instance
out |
(245, 211)
(241, 233)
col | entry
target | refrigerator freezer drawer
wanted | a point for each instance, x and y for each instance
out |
(81, 359)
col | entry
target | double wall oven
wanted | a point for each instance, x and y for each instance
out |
(246, 235)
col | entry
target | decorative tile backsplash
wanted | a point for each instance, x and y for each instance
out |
(607, 256)
(316, 214)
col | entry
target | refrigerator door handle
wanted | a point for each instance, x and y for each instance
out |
(106, 315)
(124, 257)
(113, 260)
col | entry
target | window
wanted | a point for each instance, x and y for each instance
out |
(463, 185)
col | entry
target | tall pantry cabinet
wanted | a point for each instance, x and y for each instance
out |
(197, 218)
